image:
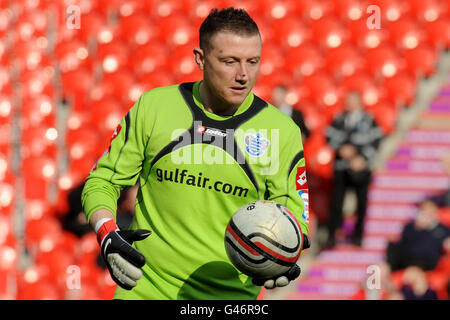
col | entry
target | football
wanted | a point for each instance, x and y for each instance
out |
(263, 239)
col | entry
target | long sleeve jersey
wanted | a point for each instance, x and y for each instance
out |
(195, 169)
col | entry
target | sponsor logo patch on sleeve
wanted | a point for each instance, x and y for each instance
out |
(305, 197)
(300, 178)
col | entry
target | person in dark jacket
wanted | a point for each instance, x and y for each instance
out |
(355, 137)
(422, 242)
(279, 100)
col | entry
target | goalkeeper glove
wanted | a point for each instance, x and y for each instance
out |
(286, 277)
(123, 261)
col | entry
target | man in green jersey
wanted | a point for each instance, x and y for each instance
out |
(200, 151)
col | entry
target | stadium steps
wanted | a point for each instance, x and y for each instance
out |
(413, 172)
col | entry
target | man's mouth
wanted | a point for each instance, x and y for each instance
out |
(239, 89)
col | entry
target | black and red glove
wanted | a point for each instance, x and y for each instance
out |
(124, 262)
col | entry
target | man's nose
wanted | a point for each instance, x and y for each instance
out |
(242, 73)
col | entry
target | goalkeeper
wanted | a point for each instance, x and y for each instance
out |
(200, 150)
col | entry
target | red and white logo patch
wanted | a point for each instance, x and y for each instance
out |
(300, 178)
(201, 129)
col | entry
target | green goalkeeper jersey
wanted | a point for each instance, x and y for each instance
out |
(195, 170)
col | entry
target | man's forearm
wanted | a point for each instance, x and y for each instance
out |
(98, 215)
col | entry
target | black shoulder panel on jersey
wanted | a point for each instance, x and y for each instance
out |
(127, 130)
(226, 127)
(296, 159)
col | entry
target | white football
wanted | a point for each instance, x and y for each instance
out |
(263, 239)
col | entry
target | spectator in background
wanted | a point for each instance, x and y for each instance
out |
(422, 242)
(279, 100)
(415, 285)
(75, 219)
(355, 137)
(380, 288)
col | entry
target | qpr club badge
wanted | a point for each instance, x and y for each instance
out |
(256, 144)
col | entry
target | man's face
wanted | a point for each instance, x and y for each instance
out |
(231, 66)
(353, 102)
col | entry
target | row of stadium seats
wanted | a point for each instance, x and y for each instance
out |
(94, 73)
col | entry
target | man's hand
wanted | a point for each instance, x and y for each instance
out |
(284, 279)
(124, 262)
(358, 163)
(347, 151)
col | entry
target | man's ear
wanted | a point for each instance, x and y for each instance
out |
(199, 58)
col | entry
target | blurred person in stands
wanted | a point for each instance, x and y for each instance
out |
(355, 137)
(422, 241)
(175, 246)
(279, 100)
(74, 220)
(415, 285)
(378, 286)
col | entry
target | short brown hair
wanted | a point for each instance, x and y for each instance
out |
(227, 19)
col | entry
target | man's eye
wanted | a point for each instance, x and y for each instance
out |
(229, 62)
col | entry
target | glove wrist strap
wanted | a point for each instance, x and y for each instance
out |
(105, 227)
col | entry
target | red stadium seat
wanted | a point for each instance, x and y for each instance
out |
(405, 33)
(28, 55)
(92, 25)
(137, 30)
(7, 196)
(321, 90)
(363, 37)
(7, 18)
(71, 55)
(320, 156)
(148, 58)
(41, 290)
(304, 60)
(176, 30)
(166, 8)
(385, 115)
(37, 209)
(5, 81)
(82, 142)
(37, 82)
(328, 33)
(291, 32)
(57, 260)
(343, 61)
(77, 119)
(113, 56)
(312, 10)
(105, 117)
(5, 230)
(183, 66)
(42, 235)
(39, 111)
(391, 10)
(158, 78)
(38, 172)
(41, 140)
(365, 85)
(382, 62)
(349, 9)
(438, 33)
(276, 10)
(31, 24)
(75, 87)
(118, 85)
(400, 89)
(271, 60)
(420, 61)
(6, 109)
(444, 218)
(427, 10)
